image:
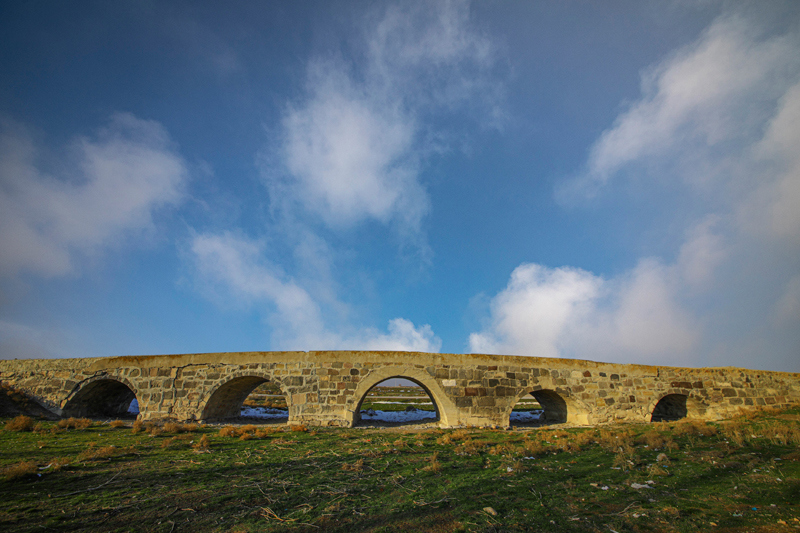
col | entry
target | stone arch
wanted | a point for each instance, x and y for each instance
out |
(225, 400)
(444, 406)
(558, 404)
(100, 397)
(675, 404)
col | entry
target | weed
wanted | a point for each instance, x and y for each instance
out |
(445, 440)
(117, 424)
(19, 470)
(138, 426)
(299, 428)
(228, 431)
(204, 444)
(57, 463)
(20, 423)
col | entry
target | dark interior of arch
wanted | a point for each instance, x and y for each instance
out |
(358, 419)
(101, 399)
(670, 407)
(554, 406)
(226, 402)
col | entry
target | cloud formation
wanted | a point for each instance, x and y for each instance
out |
(230, 265)
(110, 186)
(569, 312)
(719, 120)
(352, 147)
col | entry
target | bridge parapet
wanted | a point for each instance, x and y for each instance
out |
(327, 388)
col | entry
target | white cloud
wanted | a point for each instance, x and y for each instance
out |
(351, 149)
(235, 266)
(568, 312)
(113, 187)
(704, 103)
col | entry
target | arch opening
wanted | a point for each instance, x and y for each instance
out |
(539, 408)
(103, 398)
(669, 408)
(249, 398)
(397, 401)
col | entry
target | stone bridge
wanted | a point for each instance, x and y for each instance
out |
(327, 388)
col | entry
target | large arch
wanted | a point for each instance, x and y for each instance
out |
(100, 397)
(444, 406)
(226, 399)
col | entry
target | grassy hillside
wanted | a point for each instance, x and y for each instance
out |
(738, 475)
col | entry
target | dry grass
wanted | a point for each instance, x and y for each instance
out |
(203, 445)
(177, 427)
(96, 454)
(433, 464)
(299, 428)
(19, 470)
(75, 423)
(445, 440)
(358, 466)
(138, 426)
(470, 447)
(20, 423)
(228, 431)
(693, 428)
(117, 424)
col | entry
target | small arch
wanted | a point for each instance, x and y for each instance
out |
(101, 398)
(550, 407)
(670, 407)
(558, 407)
(227, 400)
(409, 416)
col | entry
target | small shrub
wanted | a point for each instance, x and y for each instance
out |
(533, 447)
(173, 427)
(138, 426)
(459, 434)
(117, 424)
(299, 428)
(246, 436)
(75, 423)
(20, 423)
(444, 440)
(95, 454)
(19, 470)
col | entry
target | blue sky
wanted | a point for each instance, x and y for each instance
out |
(616, 181)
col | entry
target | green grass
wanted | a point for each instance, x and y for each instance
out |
(742, 475)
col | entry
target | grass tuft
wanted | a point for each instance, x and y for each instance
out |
(19, 470)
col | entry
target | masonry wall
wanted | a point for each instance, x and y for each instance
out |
(326, 388)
